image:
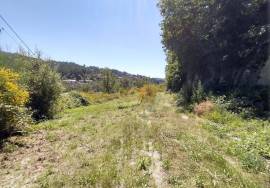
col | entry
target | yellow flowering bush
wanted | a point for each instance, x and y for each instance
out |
(12, 100)
(10, 91)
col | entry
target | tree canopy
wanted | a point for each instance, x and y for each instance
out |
(224, 44)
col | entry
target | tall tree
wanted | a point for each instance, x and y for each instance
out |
(222, 43)
(108, 81)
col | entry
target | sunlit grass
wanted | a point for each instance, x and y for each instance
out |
(112, 144)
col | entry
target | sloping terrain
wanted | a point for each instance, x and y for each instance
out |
(122, 144)
(68, 70)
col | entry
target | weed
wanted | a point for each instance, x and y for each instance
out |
(253, 162)
(175, 181)
(51, 136)
(144, 163)
(166, 164)
(247, 139)
(200, 182)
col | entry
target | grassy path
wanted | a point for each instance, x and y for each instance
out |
(122, 144)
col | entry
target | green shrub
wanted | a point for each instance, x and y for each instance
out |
(253, 162)
(12, 100)
(12, 118)
(144, 163)
(246, 139)
(72, 100)
(189, 96)
(108, 81)
(249, 102)
(198, 93)
(45, 88)
(184, 97)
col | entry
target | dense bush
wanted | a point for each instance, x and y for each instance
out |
(225, 44)
(108, 81)
(190, 96)
(12, 100)
(13, 118)
(72, 100)
(250, 104)
(147, 93)
(45, 88)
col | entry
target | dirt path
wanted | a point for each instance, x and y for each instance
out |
(156, 169)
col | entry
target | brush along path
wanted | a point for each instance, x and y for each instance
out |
(121, 144)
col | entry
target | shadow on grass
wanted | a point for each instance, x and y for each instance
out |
(124, 106)
(5, 135)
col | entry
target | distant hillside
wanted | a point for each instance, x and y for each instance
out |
(68, 70)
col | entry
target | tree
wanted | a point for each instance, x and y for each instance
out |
(173, 72)
(125, 83)
(108, 81)
(224, 44)
(45, 87)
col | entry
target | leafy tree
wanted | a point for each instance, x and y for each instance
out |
(125, 83)
(45, 88)
(173, 72)
(222, 43)
(108, 81)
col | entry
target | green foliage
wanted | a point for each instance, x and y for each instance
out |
(222, 43)
(45, 88)
(246, 139)
(166, 165)
(144, 163)
(13, 118)
(12, 100)
(189, 96)
(173, 72)
(249, 104)
(15, 62)
(254, 162)
(72, 100)
(108, 81)
(99, 97)
(198, 93)
(183, 97)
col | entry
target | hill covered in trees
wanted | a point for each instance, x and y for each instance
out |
(70, 70)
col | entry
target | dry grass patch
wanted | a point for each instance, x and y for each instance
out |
(204, 108)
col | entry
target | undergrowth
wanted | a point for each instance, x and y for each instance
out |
(247, 139)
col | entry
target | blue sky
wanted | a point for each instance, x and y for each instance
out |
(120, 34)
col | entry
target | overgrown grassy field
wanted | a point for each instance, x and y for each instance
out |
(122, 143)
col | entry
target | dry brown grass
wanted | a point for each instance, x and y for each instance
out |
(204, 108)
(147, 93)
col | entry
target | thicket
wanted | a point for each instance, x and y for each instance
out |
(45, 87)
(221, 44)
(13, 97)
(148, 93)
(108, 81)
(71, 100)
